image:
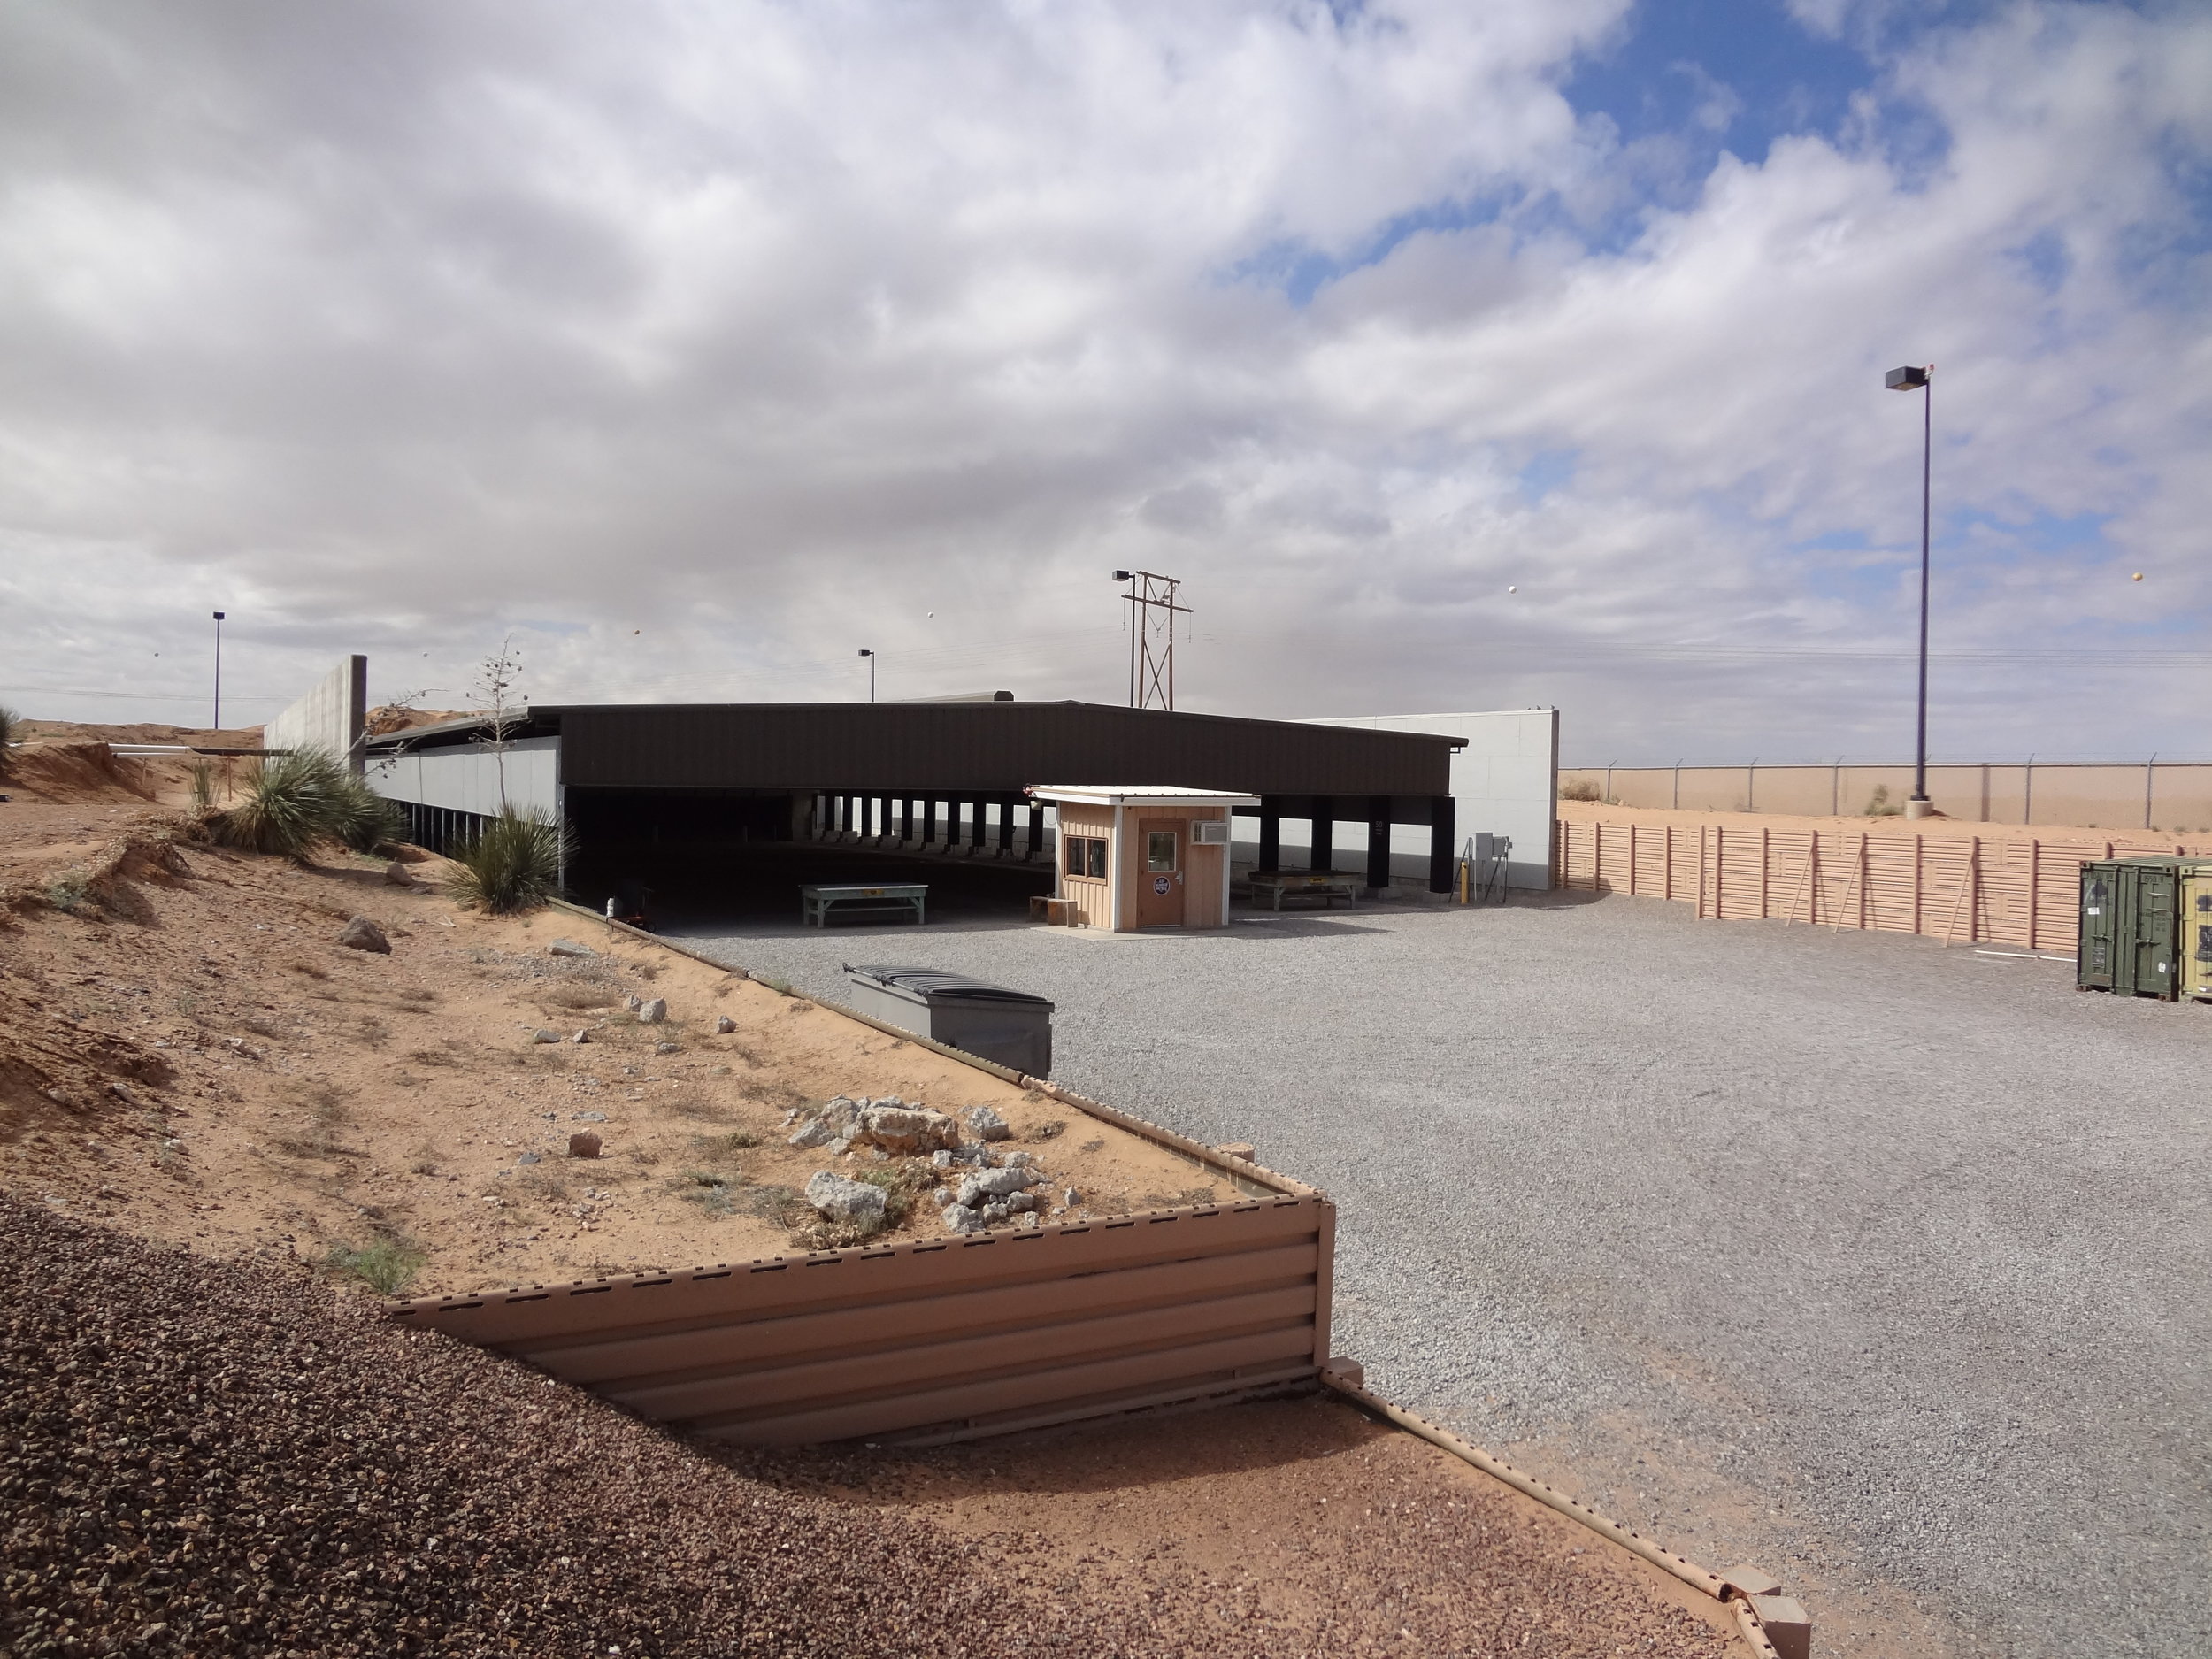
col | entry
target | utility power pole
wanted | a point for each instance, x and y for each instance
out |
(218, 671)
(1151, 638)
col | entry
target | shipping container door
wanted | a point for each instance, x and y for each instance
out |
(2196, 935)
(2093, 971)
(2154, 936)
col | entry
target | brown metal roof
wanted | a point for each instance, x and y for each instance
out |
(984, 748)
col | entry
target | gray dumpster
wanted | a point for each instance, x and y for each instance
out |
(1013, 1028)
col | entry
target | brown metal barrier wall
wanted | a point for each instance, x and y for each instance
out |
(1960, 888)
(938, 1340)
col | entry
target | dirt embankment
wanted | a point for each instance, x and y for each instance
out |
(185, 1046)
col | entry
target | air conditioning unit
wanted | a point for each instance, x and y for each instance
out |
(1209, 832)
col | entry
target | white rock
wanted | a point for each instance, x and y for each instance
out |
(908, 1130)
(544, 1036)
(988, 1125)
(960, 1219)
(568, 948)
(725, 1025)
(653, 1013)
(840, 1200)
(998, 1183)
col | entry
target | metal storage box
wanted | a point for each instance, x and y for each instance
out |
(1013, 1028)
(2131, 926)
(2196, 934)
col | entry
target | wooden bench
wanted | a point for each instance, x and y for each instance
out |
(817, 902)
(1058, 912)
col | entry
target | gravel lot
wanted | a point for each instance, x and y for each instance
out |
(1877, 1265)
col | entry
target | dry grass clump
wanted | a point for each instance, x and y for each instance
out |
(387, 1265)
(1579, 789)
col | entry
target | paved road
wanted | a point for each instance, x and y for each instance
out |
(1879, 1265)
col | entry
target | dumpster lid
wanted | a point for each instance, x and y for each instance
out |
(933, 982)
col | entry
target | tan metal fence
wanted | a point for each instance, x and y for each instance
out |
(942, 1339)
(2125, 796)
(2015, 890)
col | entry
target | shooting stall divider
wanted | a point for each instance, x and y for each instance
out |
(942, 1339)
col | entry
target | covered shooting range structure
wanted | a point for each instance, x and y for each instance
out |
(712, 774)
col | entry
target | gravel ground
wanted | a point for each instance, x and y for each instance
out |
(1878, 1264)
(210, 1458)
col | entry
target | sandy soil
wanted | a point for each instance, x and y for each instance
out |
(190, 1053)
(1302, 1524)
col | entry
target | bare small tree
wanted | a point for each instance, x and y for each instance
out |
(495, 683)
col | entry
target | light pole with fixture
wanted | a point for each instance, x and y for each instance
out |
(871, 656)
(1921, 380)
(218, 671)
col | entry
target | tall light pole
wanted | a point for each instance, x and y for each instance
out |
(218, 671)
(1921, 380)
(871, 656)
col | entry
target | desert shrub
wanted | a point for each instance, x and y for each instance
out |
(1881, 805)
(1579, 789)
(512, 864)
(364, 819)
(9, 720)
(294, 802)
(203, 784)
(387, 1265)
(72, 893)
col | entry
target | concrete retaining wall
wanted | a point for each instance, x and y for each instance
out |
(1504, 782)
(332, 717)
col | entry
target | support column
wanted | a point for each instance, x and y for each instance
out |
(1323, 832)
(1036, 829)
(1005, 829)
(1271, 837)
(906, 819)
(929, 820)
(975, 826)
(1378, 842)
(1440, 842)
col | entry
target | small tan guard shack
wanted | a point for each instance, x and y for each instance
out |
(1135, 856)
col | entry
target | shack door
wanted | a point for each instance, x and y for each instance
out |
(1160, 874)
(2155, 932)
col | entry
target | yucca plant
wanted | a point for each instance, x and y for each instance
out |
(293, 802)
(512, 864)
(365, 821)
(9, 720)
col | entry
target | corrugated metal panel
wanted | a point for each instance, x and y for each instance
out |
(942, 1338)
(984, 748)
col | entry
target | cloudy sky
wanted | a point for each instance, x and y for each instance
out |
(1454, 355)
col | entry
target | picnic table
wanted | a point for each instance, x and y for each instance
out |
(1328, 886)
(817, 902)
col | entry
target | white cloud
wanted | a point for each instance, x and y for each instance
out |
(730, 339)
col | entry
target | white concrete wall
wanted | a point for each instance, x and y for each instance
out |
(466, 779)
(1505, 782)
(331, 716)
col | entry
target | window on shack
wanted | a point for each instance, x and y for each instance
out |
(1087, 856)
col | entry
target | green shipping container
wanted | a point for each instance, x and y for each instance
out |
(2131, 925)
